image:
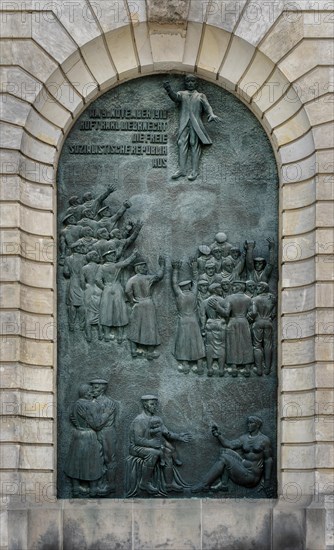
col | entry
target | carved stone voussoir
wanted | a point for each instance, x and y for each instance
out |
(166, 12)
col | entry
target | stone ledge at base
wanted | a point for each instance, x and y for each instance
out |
(175, 524)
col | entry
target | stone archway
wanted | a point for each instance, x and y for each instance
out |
(259, 84)
(35, 126)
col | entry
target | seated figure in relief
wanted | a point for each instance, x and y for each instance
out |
(246, 461)
(144, 469)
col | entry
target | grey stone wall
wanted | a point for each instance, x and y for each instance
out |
(54, 62)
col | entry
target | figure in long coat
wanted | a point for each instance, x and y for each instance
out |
(239, 347)
(113, 310)
(192, 133)
(84, 461)
(92, 295)
(106, 414)
(189, 345)
(75, 289)
(143, 329)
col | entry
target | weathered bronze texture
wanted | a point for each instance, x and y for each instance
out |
(250, 467)
(192, 133)
(153, 460)
(167, 289)
(91, 460)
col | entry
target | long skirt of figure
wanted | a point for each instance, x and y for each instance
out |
(143, 327)
(189, 344)
(113, 310)
(239, 347)
(92, 299)
(84, 459)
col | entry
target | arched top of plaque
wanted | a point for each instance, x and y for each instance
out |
(129, 137)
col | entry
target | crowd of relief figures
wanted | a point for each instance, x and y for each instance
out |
(152, 464)
(225, 306)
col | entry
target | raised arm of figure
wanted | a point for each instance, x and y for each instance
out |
(133, 235)
(162, 266)
(128, 260)
(173, 95)
(176, 265)
(249, 248)
(233, 444)
(120, 212)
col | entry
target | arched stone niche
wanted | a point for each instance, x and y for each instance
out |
(128, 138)
(47, 83)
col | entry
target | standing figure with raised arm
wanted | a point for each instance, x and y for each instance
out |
(92, 204)
(116, 237)
(257, 268)
(109, 220)
(192, 134)
(189, 346)
(143, 329)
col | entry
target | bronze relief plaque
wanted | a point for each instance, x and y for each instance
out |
(167, 296)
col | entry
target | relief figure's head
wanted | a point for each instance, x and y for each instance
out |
(190, 82)
(150, 404)
(259, 264)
